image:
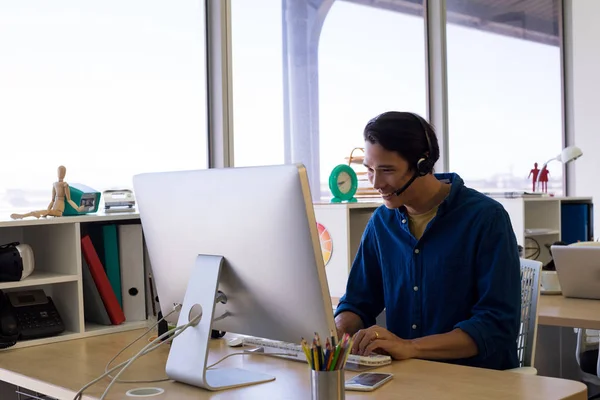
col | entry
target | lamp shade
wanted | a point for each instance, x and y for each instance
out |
(569, 154)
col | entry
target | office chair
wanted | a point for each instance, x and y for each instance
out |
(586, 354)
(530, 293)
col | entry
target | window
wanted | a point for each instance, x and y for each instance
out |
(504, 92)
(257, 78)
(107, 89)
(306, 80)
(366, 71)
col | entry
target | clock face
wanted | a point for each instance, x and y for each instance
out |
(344, 182)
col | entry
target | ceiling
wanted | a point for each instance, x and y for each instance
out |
(535, 20)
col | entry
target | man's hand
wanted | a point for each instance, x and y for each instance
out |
(379, 340)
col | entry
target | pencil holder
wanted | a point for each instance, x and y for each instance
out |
(327, 385)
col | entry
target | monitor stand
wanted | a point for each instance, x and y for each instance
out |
(188, 356)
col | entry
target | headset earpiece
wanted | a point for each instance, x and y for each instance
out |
(423, 166)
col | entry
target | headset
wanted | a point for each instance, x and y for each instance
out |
(425, 164)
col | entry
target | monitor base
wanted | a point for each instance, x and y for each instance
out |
(188, 357)
(225, 378)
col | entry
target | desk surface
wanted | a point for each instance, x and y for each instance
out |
(61, 369)
(557, 310)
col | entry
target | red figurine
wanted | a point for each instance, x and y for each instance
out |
(535, 171)
(544, 179)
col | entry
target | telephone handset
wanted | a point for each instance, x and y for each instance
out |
(9, 330)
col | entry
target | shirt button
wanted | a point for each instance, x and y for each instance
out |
(416, 251)
(414, 326)
(403, 221)
(416, 288)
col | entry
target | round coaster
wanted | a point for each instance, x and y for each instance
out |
(145, 392)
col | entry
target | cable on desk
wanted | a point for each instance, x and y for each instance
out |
(147, 349)
(175, 309)
(142, 352)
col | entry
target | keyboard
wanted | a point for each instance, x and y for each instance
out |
(293, 351)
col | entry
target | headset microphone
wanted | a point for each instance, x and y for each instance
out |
(406, 185)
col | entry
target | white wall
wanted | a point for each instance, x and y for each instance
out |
(582, 85)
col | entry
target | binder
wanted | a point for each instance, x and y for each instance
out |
(575, 222)
(111, 257)
(93, 306)
(107, 294)
(131, 259)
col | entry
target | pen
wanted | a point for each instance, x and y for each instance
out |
(319, 350)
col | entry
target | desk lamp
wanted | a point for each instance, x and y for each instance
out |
(569, 154)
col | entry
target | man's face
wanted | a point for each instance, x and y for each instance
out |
(387, 172)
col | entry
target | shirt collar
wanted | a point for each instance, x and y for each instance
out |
(456, 186)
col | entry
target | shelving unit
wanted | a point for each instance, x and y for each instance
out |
(345, 224)
(56, 245)
(537, 220)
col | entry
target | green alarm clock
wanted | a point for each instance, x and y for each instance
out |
(343, 184)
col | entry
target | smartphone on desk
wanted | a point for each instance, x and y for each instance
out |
(368, 381)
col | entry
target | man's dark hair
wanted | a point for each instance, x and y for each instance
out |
(403, 132)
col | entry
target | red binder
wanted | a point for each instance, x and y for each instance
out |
(114, 310)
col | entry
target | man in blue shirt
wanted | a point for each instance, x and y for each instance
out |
(441, 258)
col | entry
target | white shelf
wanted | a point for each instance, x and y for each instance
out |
(66, 335)
(6, 221)
(40, 278)
(363, 203)
(92, 329)
(56, 244)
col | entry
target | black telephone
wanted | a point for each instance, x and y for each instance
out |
(27, 315)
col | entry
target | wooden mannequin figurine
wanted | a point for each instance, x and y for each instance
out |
(60, 192)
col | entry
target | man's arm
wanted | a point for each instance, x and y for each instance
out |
(497, 311)
(445, 346)
(347, 322)
(363, 300)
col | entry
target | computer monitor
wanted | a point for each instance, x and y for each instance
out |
(249, 233)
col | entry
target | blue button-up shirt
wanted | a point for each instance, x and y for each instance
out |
(463, 273)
